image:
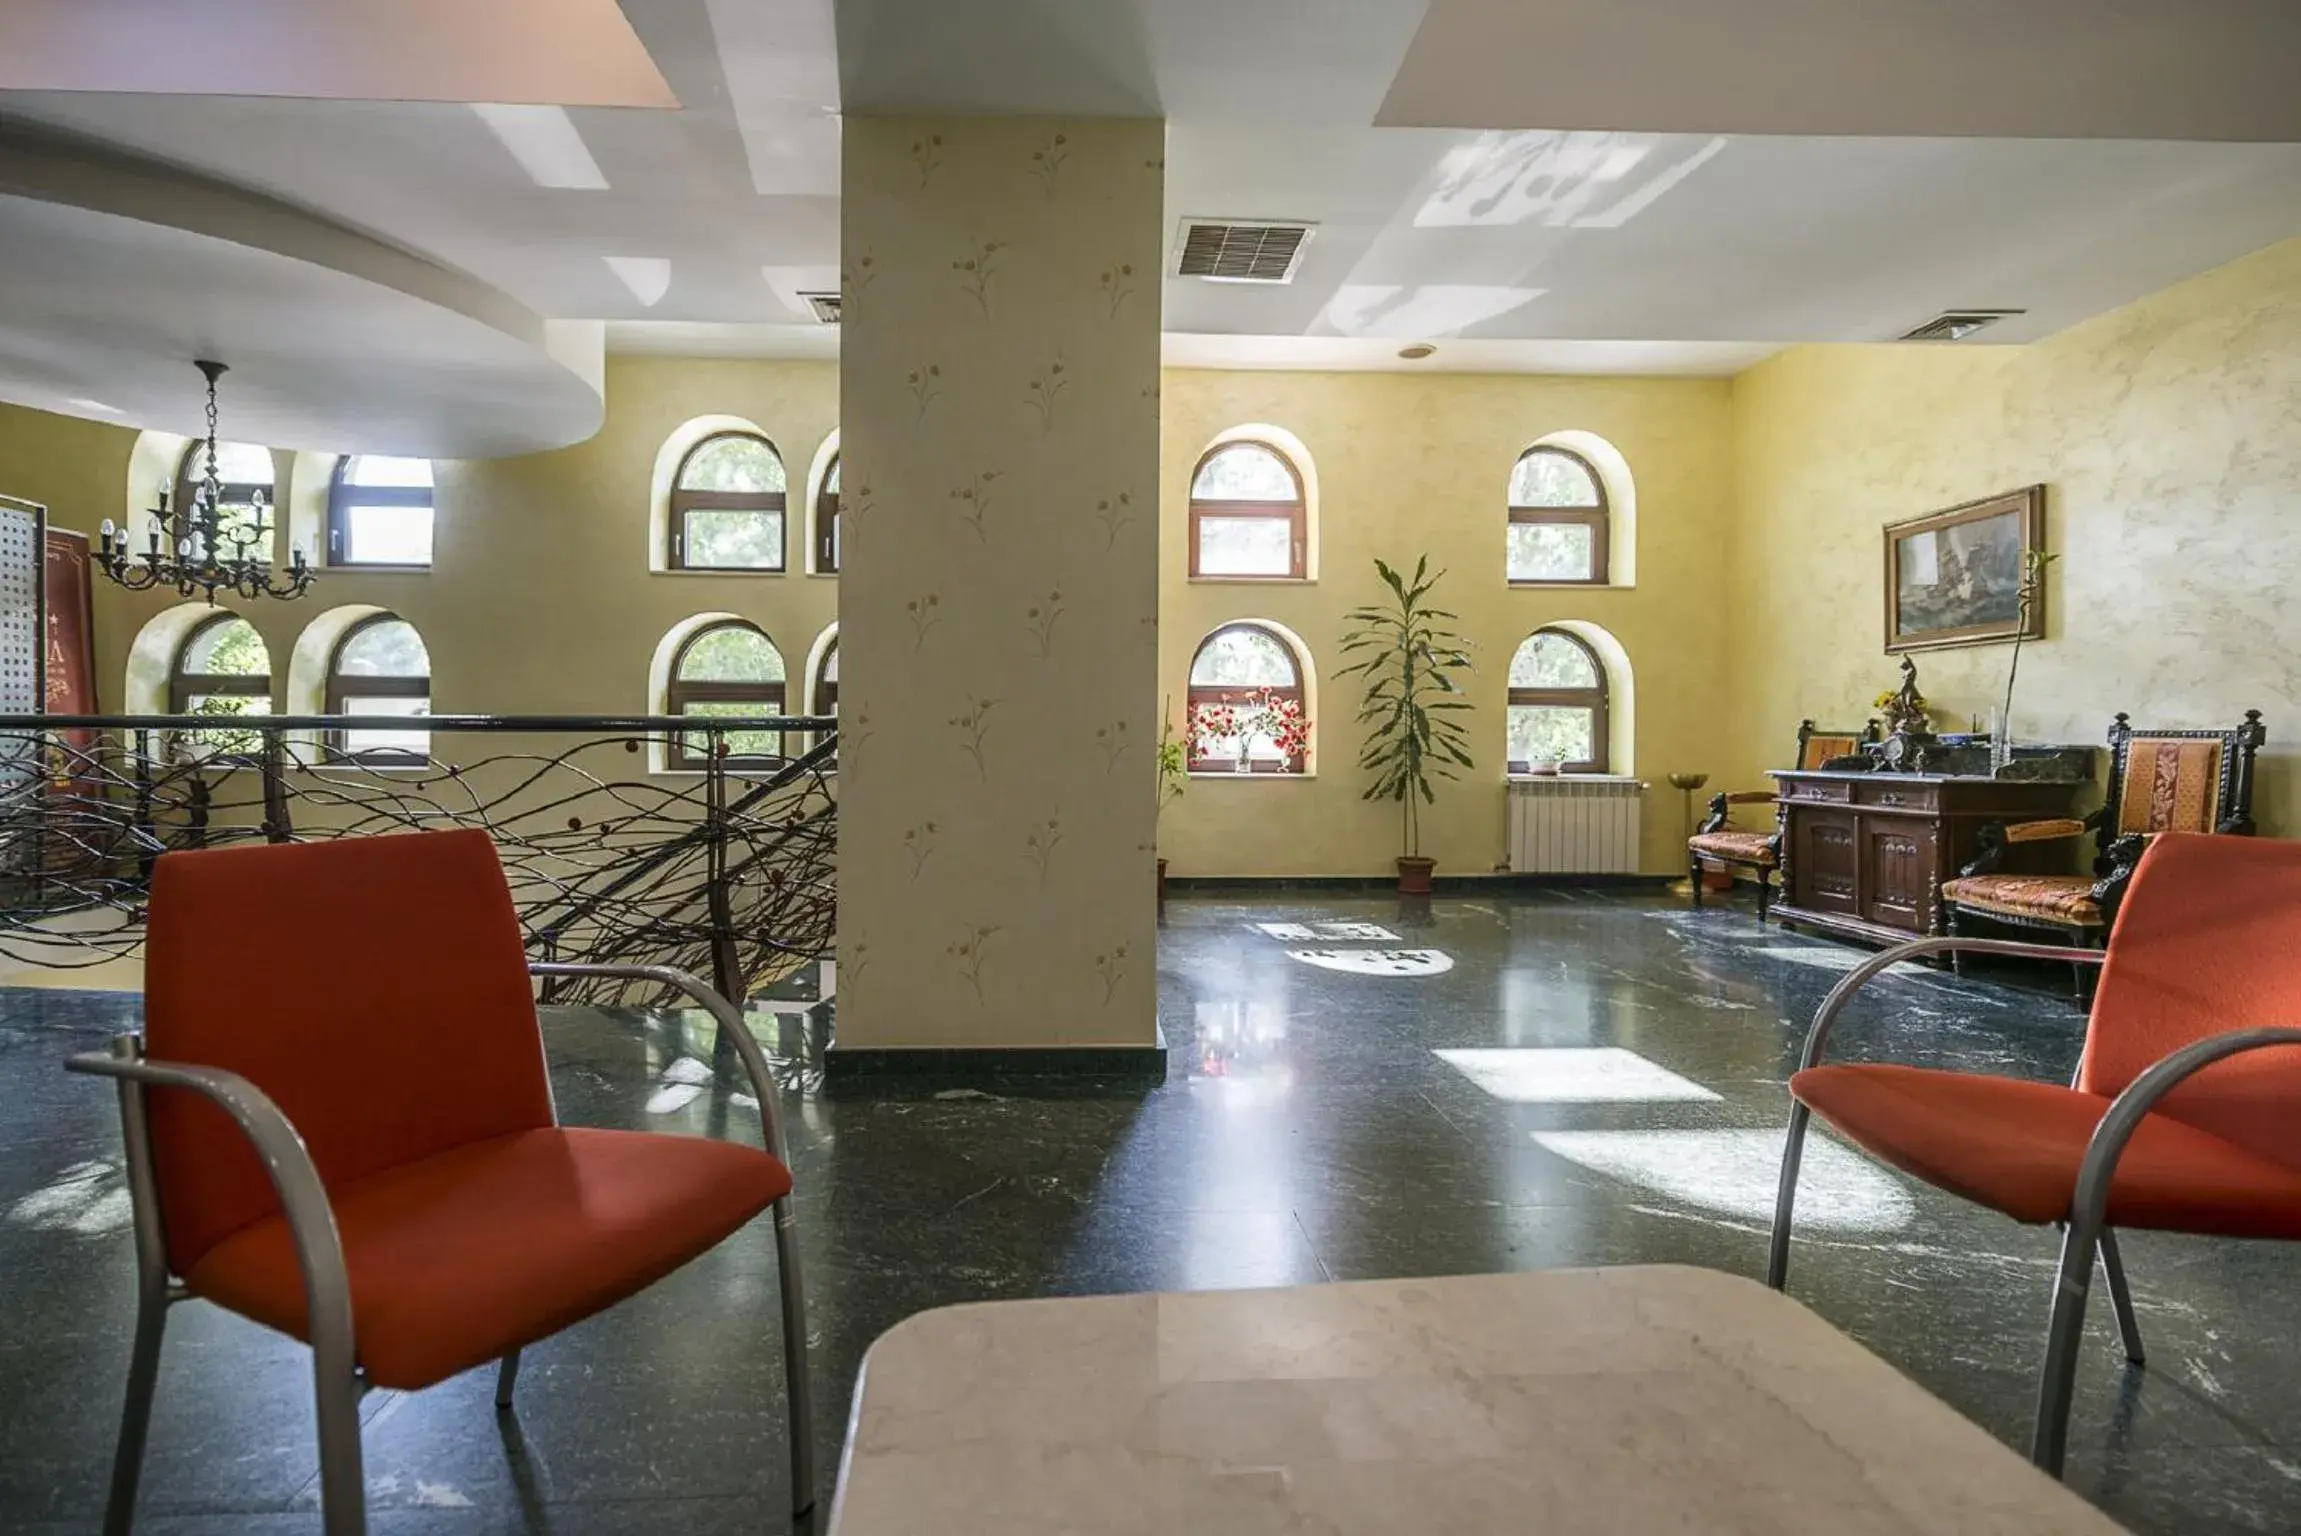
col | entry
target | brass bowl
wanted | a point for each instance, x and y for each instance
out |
(1688, 780)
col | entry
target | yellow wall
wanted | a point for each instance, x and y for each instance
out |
(540, 598)
(2168, 436)
(1413, 464)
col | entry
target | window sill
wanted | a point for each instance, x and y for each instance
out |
(374, 568)
(1252, 778)
(1254, 581)
(1582, 585)
(731, 570)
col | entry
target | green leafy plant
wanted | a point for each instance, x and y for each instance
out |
(1412, 665)
(1173, 762)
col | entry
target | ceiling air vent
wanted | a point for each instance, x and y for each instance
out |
(825, 305)
(1958, 324)
(1236, 251)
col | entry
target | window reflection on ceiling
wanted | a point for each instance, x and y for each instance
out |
(1562, 180)
(1429, 309)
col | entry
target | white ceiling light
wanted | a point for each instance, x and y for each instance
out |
(544, 142)
(648, 277)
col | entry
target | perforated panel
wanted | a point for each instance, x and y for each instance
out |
(22, 560)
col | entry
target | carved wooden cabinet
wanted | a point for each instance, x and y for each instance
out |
(1864, 855)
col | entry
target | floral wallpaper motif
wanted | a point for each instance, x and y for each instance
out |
(999, 387)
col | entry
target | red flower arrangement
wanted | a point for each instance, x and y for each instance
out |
(1259, 714)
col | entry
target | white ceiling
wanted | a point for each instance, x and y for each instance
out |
(1534, 231)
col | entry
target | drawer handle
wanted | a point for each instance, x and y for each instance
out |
(1889, 798)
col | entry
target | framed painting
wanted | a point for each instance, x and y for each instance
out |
(1954, 577)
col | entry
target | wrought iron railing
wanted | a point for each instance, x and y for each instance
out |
(726, 870)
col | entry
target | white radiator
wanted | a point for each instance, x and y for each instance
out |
(1575, 824)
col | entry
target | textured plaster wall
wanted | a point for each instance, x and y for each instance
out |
(1000, 405)
(1415, 464)
(2168, 436)
(539, 599)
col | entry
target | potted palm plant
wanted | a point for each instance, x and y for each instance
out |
(1413, 667)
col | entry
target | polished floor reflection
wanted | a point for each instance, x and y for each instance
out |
(1588, 1078)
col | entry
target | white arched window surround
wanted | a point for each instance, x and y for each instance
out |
(824, 479)
(822, 674)
(1234, 665)
(1614, 694)
(689, 674)
(1295, 457)
(682, 441)
(320, 684)
(196, 659)
(1618, 492)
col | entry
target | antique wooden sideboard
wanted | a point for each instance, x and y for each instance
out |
(1864, 855)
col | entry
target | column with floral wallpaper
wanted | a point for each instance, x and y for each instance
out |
(999, 379)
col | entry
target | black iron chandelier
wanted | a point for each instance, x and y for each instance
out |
(197, 548)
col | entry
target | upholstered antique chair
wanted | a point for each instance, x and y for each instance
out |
(2159, 781)
(2181, 1117)
(355, 1141)
(1720, 842)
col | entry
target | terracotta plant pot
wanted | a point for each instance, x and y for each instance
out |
(1414, 875)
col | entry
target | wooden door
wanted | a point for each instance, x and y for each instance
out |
(1899, 856)
(1825, 860)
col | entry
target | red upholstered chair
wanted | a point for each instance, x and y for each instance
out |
(2185, 1114)
(353, 1140)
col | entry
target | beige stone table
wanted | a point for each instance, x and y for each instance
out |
(1624, 1401)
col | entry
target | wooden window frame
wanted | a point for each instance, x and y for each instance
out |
(679, 693)
(339, 687)
(1598, 519)
(827, 523)
(1596, 700)
(1195, 694)
(339, 516)
(183, 685)
(235, 492)
(826, 696)
(684, 502)
(1296, 513)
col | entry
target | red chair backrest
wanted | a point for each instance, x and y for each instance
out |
(375, 987)
(2208, 940)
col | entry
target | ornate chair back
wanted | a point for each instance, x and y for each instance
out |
(2180, 781)
(1817, 745)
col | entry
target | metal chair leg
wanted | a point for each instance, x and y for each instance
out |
(506, 1377)
(1765, 893)
(343, 1482)
(2057, 1383)
(136, 1413)
(2121, 1298)
(1694, 878)
(1793, 1149)
(1956, 956)
(798, 1394)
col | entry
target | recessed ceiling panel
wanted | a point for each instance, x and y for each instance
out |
(2044, 69)
(565, 52)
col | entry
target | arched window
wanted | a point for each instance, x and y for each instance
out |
(1557, 704)
(222, 668)
(1246, 700)
(827, 522)
(727, 505)
(1558, 519)
(244, 514)
(726, 668)
(380, 667)
(1247, 514)
(826, 701)
(379, 511)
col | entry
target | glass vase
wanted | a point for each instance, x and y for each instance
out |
(2000, 741)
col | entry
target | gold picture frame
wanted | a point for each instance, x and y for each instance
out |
(1954, 577)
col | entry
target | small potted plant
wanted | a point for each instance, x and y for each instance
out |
(1412, 665)
(1173, 779)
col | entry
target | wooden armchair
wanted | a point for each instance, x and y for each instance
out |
(1722, 843)
(2159, 781)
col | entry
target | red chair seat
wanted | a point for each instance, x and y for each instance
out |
(2015, 1146)
(459, 1258)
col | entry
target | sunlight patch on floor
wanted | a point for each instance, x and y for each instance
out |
(1736, 1173)
(1605, 1074)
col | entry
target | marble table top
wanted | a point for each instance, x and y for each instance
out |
(1624, 1401)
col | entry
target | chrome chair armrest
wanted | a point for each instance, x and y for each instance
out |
(304, 1201)
(1826, 1016)
(725, 1013)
